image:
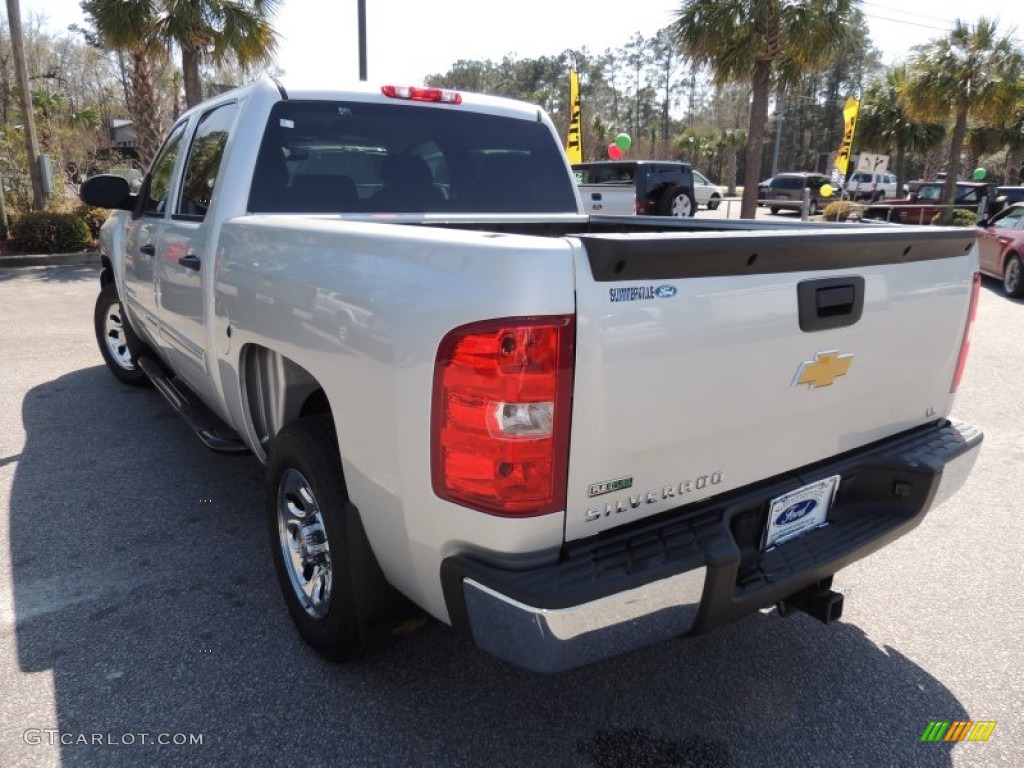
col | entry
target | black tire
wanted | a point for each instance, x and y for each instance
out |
(678, 202)
(714, 202)
(306, 451)
(1013, 277)
(775, 211)
(812, 208)
(117, 342)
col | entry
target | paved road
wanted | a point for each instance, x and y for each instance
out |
(137, 597)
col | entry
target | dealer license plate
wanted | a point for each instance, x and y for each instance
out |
(799, 511)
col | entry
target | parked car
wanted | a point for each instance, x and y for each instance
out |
(643, 187)
(1011, 195)
(785, 191)
(706, 192)
(872, 186)
(921, 206)
(1001, 248)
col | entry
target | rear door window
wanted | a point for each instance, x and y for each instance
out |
(788, 182)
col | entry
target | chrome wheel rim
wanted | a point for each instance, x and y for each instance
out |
(303, 539)
(114, 336)
(1011, 280)
(681, 206)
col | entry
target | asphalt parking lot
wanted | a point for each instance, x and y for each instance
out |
(141, 623)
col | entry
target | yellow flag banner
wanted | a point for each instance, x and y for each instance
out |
(850, 116)
(574, 143)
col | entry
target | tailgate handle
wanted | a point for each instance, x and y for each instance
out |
(832, 302)
(595, 195)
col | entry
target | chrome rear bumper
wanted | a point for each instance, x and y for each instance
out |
(690, 569)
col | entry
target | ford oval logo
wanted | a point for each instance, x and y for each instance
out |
(799, 510)
(665, 291)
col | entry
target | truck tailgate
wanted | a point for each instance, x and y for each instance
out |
(707, 362)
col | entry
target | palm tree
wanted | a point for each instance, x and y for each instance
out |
(127, 25)
(220, 29)
(972, 72)
(765, 43)
(884, 125)
(732, 140)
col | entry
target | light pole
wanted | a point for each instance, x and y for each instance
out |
(361, 9)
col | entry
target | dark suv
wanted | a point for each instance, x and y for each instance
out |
(786, 191)
(644, 187)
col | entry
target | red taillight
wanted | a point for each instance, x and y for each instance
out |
(413, 93)
(500, 416)
(645, 207)
(965, 345)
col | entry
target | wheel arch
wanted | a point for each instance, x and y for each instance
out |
(1008, 254)
(275, 392)
(106, 271)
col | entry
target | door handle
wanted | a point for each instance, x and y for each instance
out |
(191, 261)
(149, 249)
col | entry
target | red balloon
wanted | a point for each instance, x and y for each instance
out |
(614, 152)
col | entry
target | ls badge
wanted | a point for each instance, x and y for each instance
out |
(825, 368)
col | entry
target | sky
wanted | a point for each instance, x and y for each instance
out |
(408, 40)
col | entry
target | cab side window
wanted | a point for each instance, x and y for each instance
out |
(204, 161)
(157, 188)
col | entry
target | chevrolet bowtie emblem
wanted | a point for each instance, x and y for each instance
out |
(823, 369)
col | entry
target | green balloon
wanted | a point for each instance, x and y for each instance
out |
(623, 142)
(979, 174)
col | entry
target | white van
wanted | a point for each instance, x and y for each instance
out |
(871, 186)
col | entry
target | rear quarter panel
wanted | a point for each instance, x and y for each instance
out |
(411, 286)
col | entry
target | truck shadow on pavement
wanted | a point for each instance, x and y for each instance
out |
(143, 584)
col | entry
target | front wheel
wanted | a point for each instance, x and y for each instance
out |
(1013, 277)
(713, 203)
(678, 202)
(118, 345)
(311, 545)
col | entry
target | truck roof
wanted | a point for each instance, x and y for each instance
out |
(338, 90)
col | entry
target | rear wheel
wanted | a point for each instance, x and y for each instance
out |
(677, 202)
(812, 207)
(713, 202)
(310, 541)
(1013, 277)
(774, 210)
(117, 343)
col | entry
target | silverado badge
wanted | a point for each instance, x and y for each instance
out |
(825, 368)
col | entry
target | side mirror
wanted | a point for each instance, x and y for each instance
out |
(107, 191)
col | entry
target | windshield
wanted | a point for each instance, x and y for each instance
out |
(340, 157)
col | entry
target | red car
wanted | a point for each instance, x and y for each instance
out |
(921, 206)
(1001, 248)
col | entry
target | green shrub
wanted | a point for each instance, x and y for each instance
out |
(93, 218)
(960, 218)
(43, 232)
(841, 210)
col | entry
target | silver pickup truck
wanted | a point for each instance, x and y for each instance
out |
(567, 436)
